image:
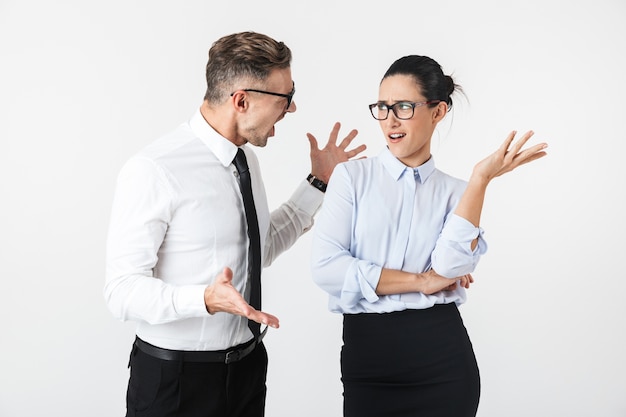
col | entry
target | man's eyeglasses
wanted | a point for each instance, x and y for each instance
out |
(403, 110)
(289, 96)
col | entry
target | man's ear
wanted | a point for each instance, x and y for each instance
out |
(239, 101)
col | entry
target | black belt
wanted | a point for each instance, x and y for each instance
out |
(224, 356)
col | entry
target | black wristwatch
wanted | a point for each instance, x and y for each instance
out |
(316, 182)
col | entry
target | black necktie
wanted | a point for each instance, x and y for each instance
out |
(254, 252)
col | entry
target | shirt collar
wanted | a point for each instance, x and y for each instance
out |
(396, 168)
(221, 147)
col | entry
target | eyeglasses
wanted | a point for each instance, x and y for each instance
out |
(403, 110)
(289, 96)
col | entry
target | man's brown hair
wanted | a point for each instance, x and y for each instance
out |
(242, 56)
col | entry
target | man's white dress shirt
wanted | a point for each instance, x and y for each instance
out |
(177, 220)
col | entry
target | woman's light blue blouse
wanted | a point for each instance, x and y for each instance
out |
(378, 213)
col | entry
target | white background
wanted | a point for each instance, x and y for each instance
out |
(84, 85)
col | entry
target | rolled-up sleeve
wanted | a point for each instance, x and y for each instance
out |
(344, 277)
(453, 255)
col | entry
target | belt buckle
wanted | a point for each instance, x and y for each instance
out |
(232, 356)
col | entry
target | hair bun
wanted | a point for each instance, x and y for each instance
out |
(451, 86)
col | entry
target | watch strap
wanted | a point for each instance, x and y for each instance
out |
(316, 182)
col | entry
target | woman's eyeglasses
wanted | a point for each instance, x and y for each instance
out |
(403, 110)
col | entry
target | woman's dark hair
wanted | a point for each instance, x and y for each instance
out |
(435, 85)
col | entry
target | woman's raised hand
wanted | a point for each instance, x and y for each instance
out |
(508, 157)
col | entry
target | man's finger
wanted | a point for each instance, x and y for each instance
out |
(264, 318)
(312, 142)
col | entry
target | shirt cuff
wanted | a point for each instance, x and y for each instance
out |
(362, 285)
(189, 301)
(308, 198)
(459, 229)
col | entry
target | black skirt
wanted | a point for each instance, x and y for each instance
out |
(409, 363)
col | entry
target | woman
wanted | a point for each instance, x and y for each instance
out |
(394, 245)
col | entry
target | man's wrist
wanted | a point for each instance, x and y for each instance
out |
(317, 183)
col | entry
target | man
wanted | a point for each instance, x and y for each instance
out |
(179, 244)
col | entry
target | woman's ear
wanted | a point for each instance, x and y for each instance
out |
(440, 111)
